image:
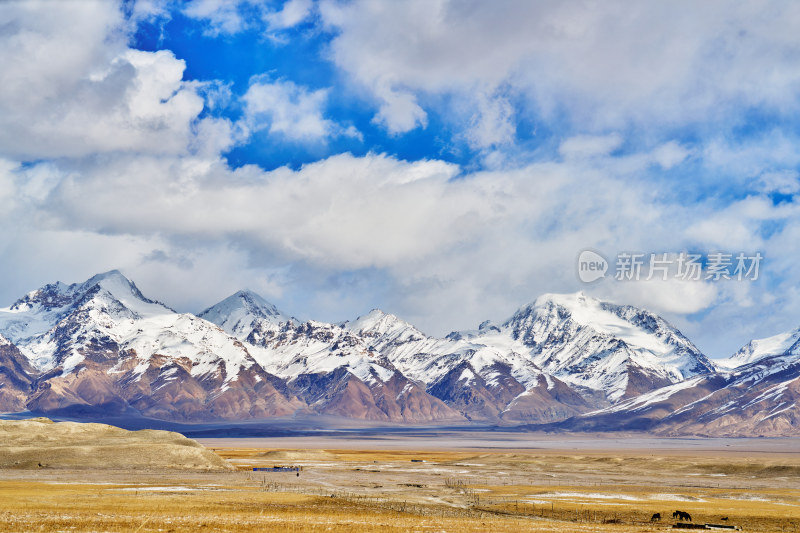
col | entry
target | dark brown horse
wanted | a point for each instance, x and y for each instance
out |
(680, 515)
(656, 517)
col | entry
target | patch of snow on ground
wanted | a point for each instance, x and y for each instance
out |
(589, 495)
(675, 498)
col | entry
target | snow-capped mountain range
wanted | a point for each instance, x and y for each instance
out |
(102, 348)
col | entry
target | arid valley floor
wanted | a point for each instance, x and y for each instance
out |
(503, 483)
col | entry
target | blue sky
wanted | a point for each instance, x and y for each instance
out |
(445, 161)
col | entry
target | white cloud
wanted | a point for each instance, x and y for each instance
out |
(222, 16)
(399, 112)
(672, 295)
(583, 146)
(73, 88)
(289, 110)
(178, 270)
(36, 183)
(8, 189)
(749, 158)
(602, 65)
(781, 182)
(670, 154)
(229, 17)
(492, 123)
(738, 227)
(151, 10)
(344, 212)
(187, 276)
(490, 234)
(292, 13)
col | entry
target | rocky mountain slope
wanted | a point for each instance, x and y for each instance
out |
(487, 382)
(761, 396)
(755, 393)
(16, 377)
(331, 369)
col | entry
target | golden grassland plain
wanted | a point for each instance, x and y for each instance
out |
(398, 490)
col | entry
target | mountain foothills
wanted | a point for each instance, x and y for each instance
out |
(569, 362)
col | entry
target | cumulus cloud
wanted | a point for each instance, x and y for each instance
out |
(492, 124)
(399, 112)
(590, 145)
(150, 10)
(675, 296)
(72, 87)
(222, 16)
(479, 239)
(603, 65)
(290, 111)
(781, 182)
(8, 189)
(344, 212)
(670, 154)
(293, 12)
(746, 159)
(229, 17)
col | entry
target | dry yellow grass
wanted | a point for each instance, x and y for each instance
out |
(30, 506)
(386, 491)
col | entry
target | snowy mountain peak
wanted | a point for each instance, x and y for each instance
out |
(622, 350)
(59, 295)
(381, 328)
(581, 307)
(568, 300)
(757, 349)
(123, 291)
(488, 325)
(377, 321)
(255, 304)
(51, 296)
(110, 294)
(638, 328)
(578, 307)
(237, 313)
(110, 277)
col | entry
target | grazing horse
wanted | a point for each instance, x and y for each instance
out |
(680, 515)
(656, 517)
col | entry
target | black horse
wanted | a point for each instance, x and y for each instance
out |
(680, 515)
(656, 517)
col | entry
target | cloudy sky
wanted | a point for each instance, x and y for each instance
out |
(445, 161)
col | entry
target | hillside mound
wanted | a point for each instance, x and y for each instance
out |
(41, 443)
(298, 455)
